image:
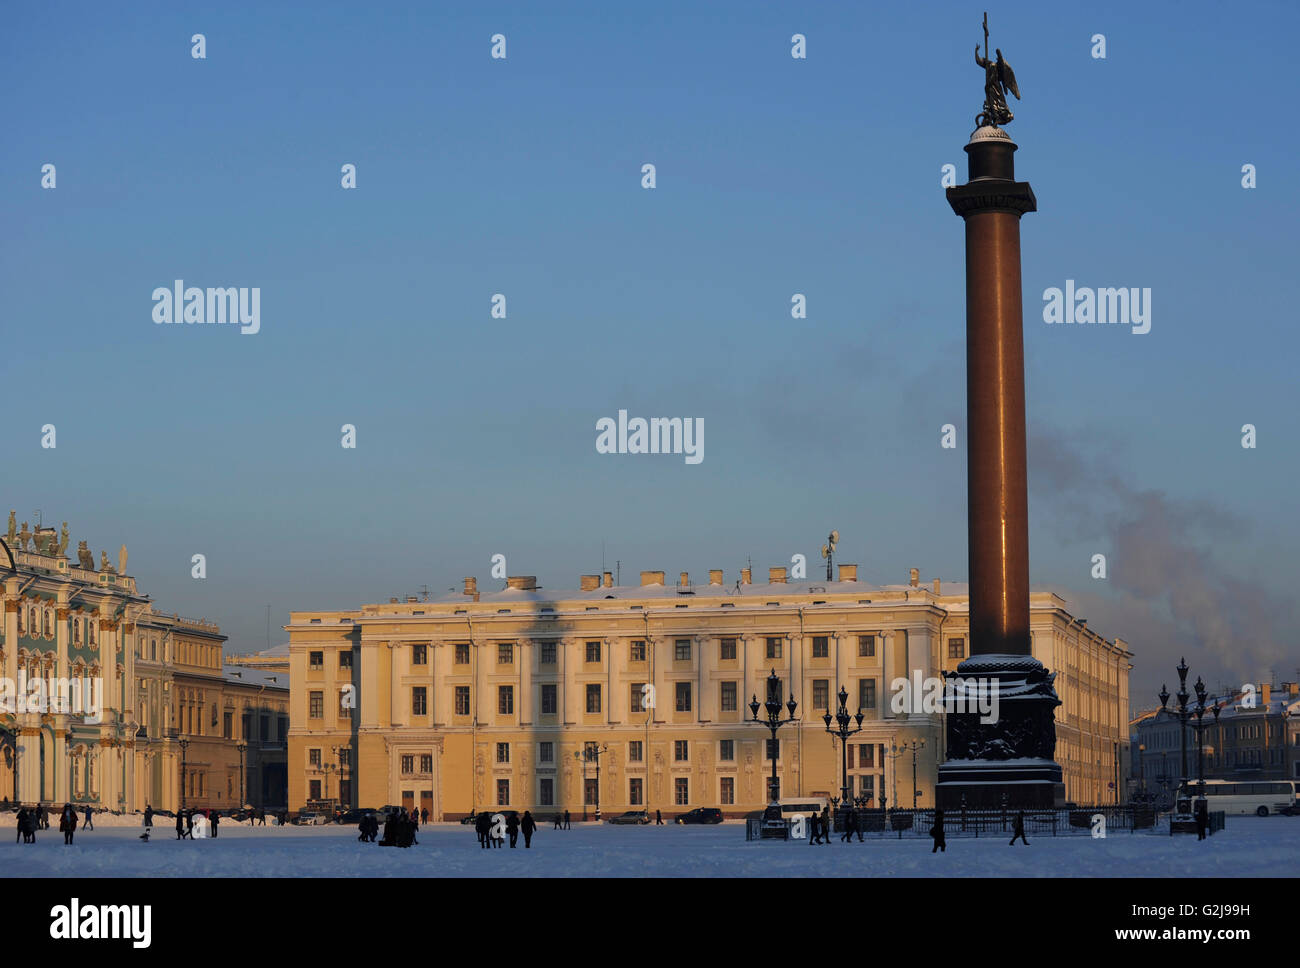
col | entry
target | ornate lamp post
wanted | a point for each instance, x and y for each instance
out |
(893, 753)
(243, 748)
(1182, 713)
(773, 723)
(843, 730)
(184, 745)
(590, 753)
(916, 744)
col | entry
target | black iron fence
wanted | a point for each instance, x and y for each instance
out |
(1077, 821)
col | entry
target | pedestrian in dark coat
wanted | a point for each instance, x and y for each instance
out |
(88, 824)
(528, 826)
(148, 815)
(826, 824)
(814, 829)
(566, 820)
(68, 823)
(936, 831)
(180, 824)
(189, 824)
(850, 825)
(1202, 820)
(215, 817)
(559, 819)
(659, 819)
(424, 815)
(22, 825)
(43, 816)
(512, 828)
(1018, 830)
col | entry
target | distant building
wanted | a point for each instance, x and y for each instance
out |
(274, 659)
(483, 699)
(1255, 737)
(172, 718)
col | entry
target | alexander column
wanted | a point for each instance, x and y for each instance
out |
(1009, 759)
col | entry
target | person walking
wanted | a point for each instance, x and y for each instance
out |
(88, 823)
(814, 829)
(566, 820)
(558, 820)
(659, 818)
(424, 815)
(936, 831)
(826, 824)
(148, 815)
(1202, 819)
(22, 825)
(68, 823)
(850, 825)
(43, 816)
(1018, 830)
(215, 817)
(180, 824)
(528, 826)
(512, 828)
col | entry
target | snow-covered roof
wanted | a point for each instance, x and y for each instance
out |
(253, 676)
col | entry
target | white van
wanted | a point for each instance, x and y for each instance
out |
(805, 807)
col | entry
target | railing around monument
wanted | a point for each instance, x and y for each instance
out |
(1077, 821)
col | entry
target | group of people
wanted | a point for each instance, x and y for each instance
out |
(399, 828)
(38, 818)
(489, 834)
(941, 842)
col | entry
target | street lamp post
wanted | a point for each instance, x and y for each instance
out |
(843, 730)
(184, 745)
(1182, 714)
(773, 723)
(242, 747)
(590, 753)
(916, 744)
(893, 753)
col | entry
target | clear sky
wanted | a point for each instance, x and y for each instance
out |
(775, 176)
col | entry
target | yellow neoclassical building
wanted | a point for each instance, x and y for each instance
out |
(483, 698)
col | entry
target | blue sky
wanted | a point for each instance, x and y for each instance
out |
(775, 176)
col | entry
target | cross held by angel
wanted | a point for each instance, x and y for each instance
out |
(998, 79)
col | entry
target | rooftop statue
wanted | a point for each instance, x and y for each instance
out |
(998, 79)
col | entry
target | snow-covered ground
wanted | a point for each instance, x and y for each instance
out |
(1246, 848)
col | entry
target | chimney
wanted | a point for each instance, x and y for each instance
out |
(745, 577)
(526, 583)
(652, 578)
(1265, 693)
(936, 586)
(715, 576)
(916, 577)
(1292, 688)
(776, 576)
(684, 579)
(471, 588)
(589, 583)
(412, 598)
(609, 579)
(392, 601)
(848, 572)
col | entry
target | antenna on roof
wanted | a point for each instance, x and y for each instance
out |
(424, 590)
(828, 551)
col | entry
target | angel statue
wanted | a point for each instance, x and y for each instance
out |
(998, 79)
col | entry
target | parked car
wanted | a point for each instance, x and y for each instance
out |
(354, 816)
(701, 815)
(309, 818)
(631, 816)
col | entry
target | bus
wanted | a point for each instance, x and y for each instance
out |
(1260, 797)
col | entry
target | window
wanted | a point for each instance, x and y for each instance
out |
(408, 765)
(635, 751)
(316, 705)
(228, 725)
(727, 649)
(727, 790)
(313, 759)
(773, 749)
(683, 691)
(503, 793)
(419, 701)
(681, 751)
(506, 700)
(419, 655)
(426, 762)
(682, 650)
(503, 752)
(866, 645)
(637, 694)
(866, 755)
(821, 694)
(345, 756)
(548, 699)
(637, 653)
(462, 700)
(316, 661)
(727, 696)
(547, 792)
(866, 693)
(774, 648)
(462, 653)
(956, 648)
(314, 795)
(635, 791)
(821, 646)
(593, 697)
(345, 660)
(727, 750)
(593, 651)
(505, 653)
(546, 752)
(548, 653)
(681, 791)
